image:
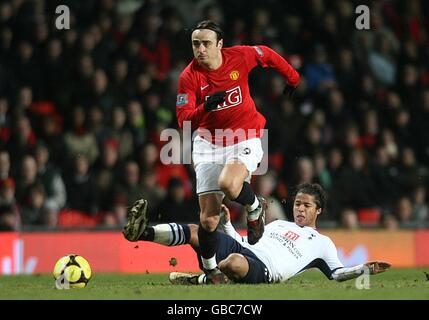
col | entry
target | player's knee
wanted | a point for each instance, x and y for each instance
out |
(233, 266)
(209, 223)
(230, 186)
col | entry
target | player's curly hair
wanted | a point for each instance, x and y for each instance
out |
(315, 190)
(211, 25)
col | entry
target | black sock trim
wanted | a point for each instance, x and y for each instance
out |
(174, 235)
(208, 242)
(148, 234)
(246, 196)
(187, 233)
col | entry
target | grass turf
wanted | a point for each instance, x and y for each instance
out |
(394, 284)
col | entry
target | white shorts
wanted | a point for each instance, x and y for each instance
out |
(210, 159)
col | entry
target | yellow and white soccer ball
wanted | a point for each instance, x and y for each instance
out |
(72, 271)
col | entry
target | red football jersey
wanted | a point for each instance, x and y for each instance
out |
(239, 110)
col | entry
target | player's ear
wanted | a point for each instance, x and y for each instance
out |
(319, 211)
(220, 43)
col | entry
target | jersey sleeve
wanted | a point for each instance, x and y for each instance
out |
(186, 108)
(268, 58)
(331, 257)
(229, 229)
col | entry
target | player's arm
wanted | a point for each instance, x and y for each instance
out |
(186, 103)
(373, 267)
(186, 108)
(227, 227)
(268, 58)
(340, 273)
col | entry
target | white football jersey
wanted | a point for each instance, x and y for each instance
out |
(288, 249)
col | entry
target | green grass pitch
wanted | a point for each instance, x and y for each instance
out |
(394, 284)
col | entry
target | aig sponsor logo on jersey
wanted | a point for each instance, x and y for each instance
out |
(291, 235)
(233, 98)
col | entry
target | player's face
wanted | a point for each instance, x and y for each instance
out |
(205, 46)
(305, 210)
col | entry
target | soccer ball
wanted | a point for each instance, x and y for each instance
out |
(72, 271)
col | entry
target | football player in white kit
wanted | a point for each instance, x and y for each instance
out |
(285, 249)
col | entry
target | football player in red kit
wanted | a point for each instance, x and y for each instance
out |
(213, 96)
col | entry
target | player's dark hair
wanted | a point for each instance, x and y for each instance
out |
(211, 25)
(314, 190)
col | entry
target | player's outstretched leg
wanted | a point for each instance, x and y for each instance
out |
(136, 220)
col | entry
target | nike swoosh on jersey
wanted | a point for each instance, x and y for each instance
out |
(204, 87)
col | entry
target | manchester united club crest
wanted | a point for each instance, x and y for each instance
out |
(234, 75)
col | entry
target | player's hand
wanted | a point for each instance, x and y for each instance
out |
(213, 101)
(225, 216)
(289, 91)
(377, 266)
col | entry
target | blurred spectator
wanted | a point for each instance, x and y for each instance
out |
(27, 177)
(347, 73)
(7, 193)
(420, 206)
(80, 186)
(4, 165)
(304, 171)
(153, 49)
(349, 219)
(151, 191)
(410, 174)
(390, 222)
(96, 123)
(129, 187)
(120, 133)
(23, 138)
(385, 174)
(54, 76)
(27, 71)
(320, 73)
(8, 219)
(106, 173)
(356, 185)
(404, 212)
(381, 62)
(51, 134)
(120, 87)
(370, 130)
(78, 140)
(322, 174)
(33, 209)
(136, 122)
(266, 186)
(337, 115)
(175, 207)
(4, 122)
(50, 178)
(420, 121)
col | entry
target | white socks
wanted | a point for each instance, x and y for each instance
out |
(252, 214)
(170, 234)
(209, 264)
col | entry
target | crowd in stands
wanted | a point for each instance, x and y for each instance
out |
(82, 109)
